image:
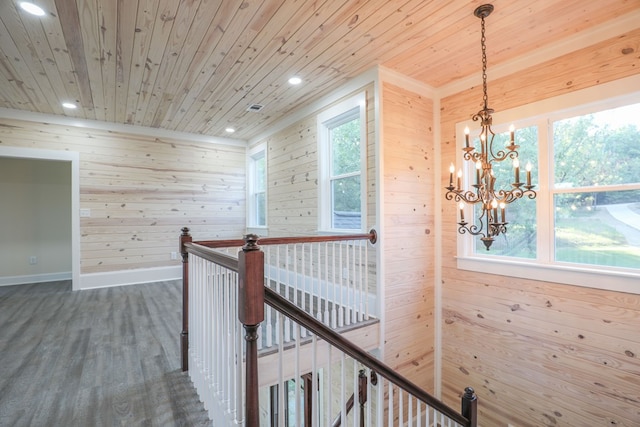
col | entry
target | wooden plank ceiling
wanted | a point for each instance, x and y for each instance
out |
(197, 65)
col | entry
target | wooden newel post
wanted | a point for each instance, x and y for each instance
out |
(470, 406)
(251, 314)
(185, 237)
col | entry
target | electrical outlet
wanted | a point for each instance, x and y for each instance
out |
(85, 213)
(174, 255)
(33, 260)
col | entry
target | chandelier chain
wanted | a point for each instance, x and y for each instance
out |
(483, 39)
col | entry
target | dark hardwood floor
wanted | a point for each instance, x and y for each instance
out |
(104, 357)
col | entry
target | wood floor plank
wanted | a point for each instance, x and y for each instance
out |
(103, 357)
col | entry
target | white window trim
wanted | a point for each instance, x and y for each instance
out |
(324, 156)
(252, 155)
(607, 95)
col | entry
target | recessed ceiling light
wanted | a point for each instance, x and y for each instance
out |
(32, 8)
(69, 105)
(230, 130)
(295, 80)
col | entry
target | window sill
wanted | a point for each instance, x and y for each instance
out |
(618, 281)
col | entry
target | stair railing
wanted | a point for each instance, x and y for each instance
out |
(411, 404)
(330, 277)
(225, 369)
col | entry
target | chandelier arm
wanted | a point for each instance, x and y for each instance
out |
(472, 229)
(502, 154)
(509, 196)
(471, 155)
(468, 197)
(449, 195)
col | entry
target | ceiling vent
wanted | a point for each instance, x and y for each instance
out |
(255, 107)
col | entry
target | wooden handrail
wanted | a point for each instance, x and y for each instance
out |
(227, 261)
(318, 328)
(371, 236)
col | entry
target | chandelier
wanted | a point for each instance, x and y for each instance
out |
(483, 194)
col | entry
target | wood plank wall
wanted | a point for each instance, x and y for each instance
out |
(142, 190)
(408, 224)
(292, 178)
(539, 353)
(292, 174)
(408, 180)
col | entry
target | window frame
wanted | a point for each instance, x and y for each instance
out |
(544, 267)
(253, 155)
(324, 121)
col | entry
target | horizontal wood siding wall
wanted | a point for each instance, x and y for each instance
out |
(293, 179)
(408, 224)
(292, 174)
(539, 354)
(142, 191)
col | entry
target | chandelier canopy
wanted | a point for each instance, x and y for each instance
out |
(483, 193)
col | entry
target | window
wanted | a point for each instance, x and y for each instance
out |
(585, 222)
(596, 187)
(257, 178)
(342, 148)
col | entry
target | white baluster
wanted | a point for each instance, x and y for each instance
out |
(298, 406)
(334, 283)
(281, 379)
(343, 281)
(325, 262)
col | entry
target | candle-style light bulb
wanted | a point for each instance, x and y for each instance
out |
(516, 165)
(494, 206)
(478, 168)
(512, 130)
(483, 143)
(461, 205)
(459, 178)
(502, 206)
(528, 168)
(452, 169)
(466, 136)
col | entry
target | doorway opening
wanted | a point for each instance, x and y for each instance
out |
(66, 168)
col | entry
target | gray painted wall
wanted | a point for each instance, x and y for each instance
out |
(35, 219)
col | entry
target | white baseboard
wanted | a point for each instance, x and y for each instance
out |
(129, 277)
(35, 278)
